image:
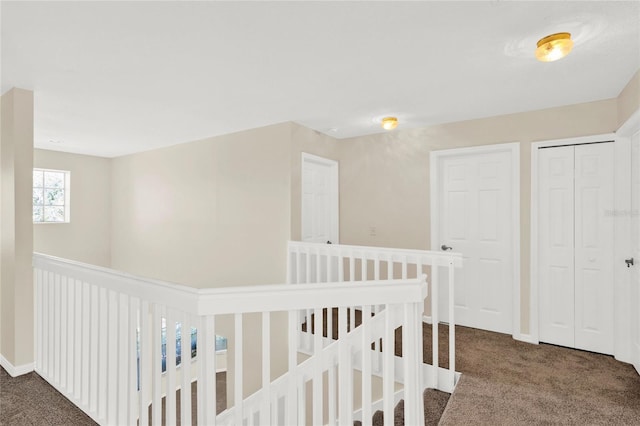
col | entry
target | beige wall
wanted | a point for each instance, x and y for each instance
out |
(16, 229)
(209, 213)
(193, 213)
(87, 237)
(384, 182)
(629, 99)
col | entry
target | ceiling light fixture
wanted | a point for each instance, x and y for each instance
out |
(389, 123)
(553, 47)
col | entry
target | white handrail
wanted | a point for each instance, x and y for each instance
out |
(91, 321)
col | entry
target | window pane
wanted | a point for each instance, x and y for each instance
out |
(38, 214)
(38, 197)
(54, 180)
(54, 214)
(221, 343)
(38, 177)
(54, 197)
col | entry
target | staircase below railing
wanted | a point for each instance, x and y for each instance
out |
(98, 330)
(315, 263)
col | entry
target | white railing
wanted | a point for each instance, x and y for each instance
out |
(314, 263)
(98, 330)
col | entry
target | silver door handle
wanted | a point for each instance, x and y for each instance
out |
(445, 247)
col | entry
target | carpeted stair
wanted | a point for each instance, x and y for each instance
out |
(435, 401)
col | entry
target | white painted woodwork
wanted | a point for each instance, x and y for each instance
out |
(374, 257)
(556, 245)
(576, 246)
(319, 199)
(474, 213)
(635, 251)
(120, 312)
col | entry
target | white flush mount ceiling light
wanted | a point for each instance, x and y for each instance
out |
(553, 47)
(389, 123)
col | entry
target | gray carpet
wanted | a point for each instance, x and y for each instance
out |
(30, 400)
(506, 382)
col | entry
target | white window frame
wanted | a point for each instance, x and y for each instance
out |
(67, 196)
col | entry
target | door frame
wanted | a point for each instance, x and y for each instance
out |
(334, 197)
(623, 299)
(622, 181)
(513, 148)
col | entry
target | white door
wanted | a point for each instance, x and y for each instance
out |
(319, 199)
(475, 200)
(635, 244)
(556, 245)
(594, 245)
(576, 238)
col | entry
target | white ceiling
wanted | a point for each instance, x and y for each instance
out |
(112, 78)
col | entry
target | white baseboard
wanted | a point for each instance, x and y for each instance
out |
(426, 319)
(13, 370)
(527, 338)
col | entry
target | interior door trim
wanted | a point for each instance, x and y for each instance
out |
(514, 149)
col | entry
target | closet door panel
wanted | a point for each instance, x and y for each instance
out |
(556, 245)
(594, 240)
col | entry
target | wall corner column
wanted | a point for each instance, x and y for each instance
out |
(16, 232)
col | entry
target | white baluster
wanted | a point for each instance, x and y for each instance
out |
(112, 365)
(207, 397)
(290, 415)
(265, 414)
(50, 324)
(56, 327)
(86, 340)
(452, 325)
(239, 370)
(317, 375)
(39, 311)
(97, 363)
(435, 320)
(366, 365)
(333, 393)
(185, 362)
(346, 385)
(145, 362)
(79, 323)
(72, 325)
(122, 373)
(388, 366)
(156, 377)
(64, 308)
(170, 374)
(131, 361)
(411, 367)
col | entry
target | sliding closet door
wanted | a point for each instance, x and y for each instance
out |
(594, 207)
(556, 245)
(575, 246)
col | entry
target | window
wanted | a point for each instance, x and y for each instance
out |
(50, 196)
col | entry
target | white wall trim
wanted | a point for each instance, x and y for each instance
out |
(335, 192)
(514, 149)
(534, 302)
(631, 126)
(527, 338)
(623, 283)
(13, 370)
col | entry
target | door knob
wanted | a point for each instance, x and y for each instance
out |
(329, 242)
(445, 247)
(629, 262)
